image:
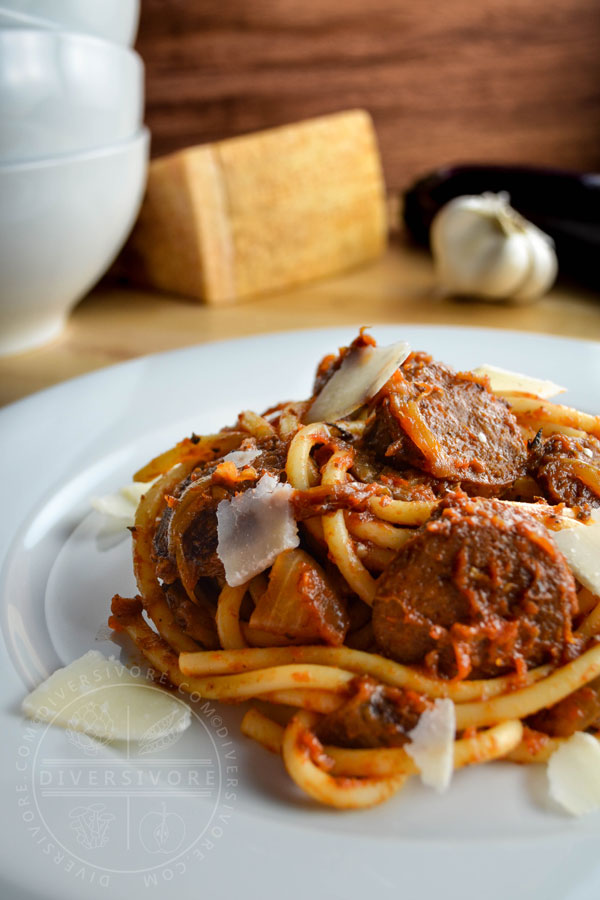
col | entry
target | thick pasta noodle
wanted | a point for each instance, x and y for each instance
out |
(424, 569)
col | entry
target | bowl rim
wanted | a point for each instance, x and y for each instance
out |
(34, 20)
(141, 136)
(64, 35)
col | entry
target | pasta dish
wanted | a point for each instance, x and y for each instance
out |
(393, 571)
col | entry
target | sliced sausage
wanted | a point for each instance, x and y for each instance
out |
(578, 711)
(199, 539)
(479, 590)
(447, 424)
(567, 469)
(375, 716)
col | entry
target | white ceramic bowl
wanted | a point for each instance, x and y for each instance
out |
(65, 93)
(62, 222)
(114, 20)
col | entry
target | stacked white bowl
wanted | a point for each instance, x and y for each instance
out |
(73, 155)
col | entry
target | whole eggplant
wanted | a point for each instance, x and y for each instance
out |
(564, 204)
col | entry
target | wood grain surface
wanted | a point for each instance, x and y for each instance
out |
(115, 323)
(501, 80)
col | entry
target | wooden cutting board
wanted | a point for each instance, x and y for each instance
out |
(115, 323)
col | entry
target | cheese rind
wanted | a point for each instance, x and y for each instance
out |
(263, 211)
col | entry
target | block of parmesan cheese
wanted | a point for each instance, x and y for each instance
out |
(262, 212)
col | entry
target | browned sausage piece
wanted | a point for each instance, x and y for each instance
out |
(576, 712)
(404, 484)
(375, 716)
(479, 590)
(447, 424)
(568, 469)
(199, 538)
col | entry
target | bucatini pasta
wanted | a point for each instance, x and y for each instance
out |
(353, 574)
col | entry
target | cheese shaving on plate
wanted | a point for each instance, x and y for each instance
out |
(502, 381)
(254, 528)
(574, 774)
(241, 458)
(101, 698)
(122, 505)
(580, 544)
(432, 744)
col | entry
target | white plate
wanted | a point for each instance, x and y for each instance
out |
(493, 835)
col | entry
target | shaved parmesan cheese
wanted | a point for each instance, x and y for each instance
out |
(122, 505)
(254, 528)
(504, 382)
(364, 371)
(432, 744)
(102, 699)
(241, 458)
(580, 544)
(574, 774)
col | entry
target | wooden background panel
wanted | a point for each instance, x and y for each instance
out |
(501, 80)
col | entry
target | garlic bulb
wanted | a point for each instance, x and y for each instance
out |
(482, 247)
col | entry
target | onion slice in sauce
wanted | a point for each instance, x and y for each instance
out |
(363, 372)
(299, 602)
